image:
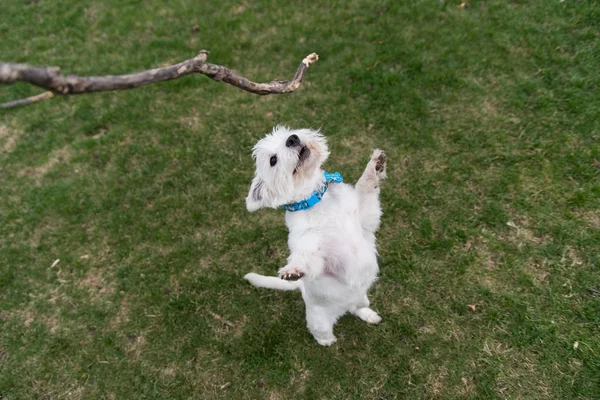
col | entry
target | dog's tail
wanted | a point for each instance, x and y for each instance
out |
(272, 282)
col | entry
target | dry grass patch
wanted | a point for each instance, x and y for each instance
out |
(135, 346)
(48, 226)
(486, 260)
(192, 122)
(28, 317)
(468, 388)
(427, 330)
(435, 381)
(8, 138)
(223, 326)
(57, 157)
(519, 377)
(58, 389)
(571, 257)
(538, 270)
(520, 233)
(169, 371)
(95, 284)
(453, 331)
(404, 303)
(591, 218)
(122, 316)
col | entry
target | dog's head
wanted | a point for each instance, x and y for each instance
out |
(288, 167)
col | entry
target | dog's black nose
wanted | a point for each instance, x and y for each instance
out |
(292, 141)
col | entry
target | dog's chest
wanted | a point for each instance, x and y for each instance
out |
(335, 213)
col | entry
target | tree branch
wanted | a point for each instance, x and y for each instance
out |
(50, 79)
(27, 101)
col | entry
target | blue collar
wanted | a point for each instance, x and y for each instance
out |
(316, 196)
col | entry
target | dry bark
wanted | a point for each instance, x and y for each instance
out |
(50, 79)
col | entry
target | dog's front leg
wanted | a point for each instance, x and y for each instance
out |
(300, 265)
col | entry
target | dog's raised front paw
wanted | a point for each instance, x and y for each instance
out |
(292, 274)
(380, 161)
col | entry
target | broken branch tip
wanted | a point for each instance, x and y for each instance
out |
(310, 59)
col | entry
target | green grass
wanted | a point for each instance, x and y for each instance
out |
(490, 119)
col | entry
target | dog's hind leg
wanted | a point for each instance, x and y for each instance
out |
(367, 188)
(362, 311)
(320, 321)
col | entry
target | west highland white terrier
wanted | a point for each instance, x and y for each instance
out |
(332, 225)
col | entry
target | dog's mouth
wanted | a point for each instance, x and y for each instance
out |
(303, 155)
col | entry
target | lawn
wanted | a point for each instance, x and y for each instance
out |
(490, 240)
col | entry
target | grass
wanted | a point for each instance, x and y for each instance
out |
(490, 119)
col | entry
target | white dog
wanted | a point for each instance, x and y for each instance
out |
(333, 259)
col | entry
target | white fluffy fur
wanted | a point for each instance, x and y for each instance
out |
(332, 245)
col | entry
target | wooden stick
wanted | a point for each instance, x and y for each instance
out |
(50, 79)
(26, 101)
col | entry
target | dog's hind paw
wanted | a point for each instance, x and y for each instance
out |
(373, 319)
(327, 341)
(368, 315)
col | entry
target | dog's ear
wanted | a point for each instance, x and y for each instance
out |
(256, 196)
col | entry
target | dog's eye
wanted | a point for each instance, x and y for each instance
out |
(273, 161)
